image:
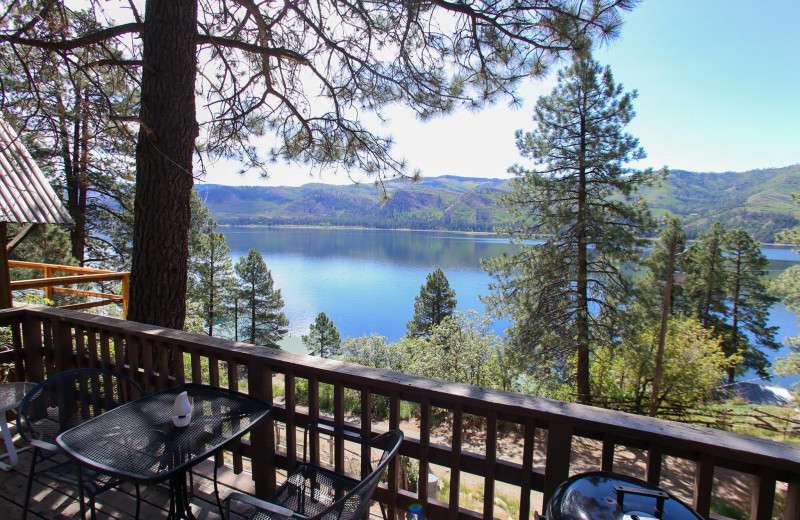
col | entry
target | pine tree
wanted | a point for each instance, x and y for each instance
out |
(651, 286)
(323, 339)
(211, 282)
(749, 303)
(435, 302)
(582, 200)
(265, 324)
(707, 277)
(787, 287)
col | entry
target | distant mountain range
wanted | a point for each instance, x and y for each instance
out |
(759, 201)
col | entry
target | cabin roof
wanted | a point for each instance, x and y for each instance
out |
(25, 193)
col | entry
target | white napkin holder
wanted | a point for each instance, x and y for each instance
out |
(181, 410)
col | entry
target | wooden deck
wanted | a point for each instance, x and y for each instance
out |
(52, 500)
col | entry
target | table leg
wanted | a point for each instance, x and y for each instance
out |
(10, 448)
(179, 504)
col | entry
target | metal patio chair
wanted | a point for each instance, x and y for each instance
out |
(57, 404)
(313, 492)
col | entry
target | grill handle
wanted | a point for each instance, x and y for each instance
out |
(659, 495)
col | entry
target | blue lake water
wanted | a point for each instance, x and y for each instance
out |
(366, 280)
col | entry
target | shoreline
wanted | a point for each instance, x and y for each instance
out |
(361, 228)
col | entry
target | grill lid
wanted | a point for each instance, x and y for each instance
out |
(610, 496)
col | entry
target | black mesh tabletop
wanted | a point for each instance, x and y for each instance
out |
(138, 441)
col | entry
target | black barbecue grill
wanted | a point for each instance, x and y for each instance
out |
(603, 495)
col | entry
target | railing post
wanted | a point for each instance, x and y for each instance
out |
(655, 456)
(262, 437)
(48, 291)
(607, 457)
(529, 446)
(455, 461)
(62, 346)
(792, 509)
(763, 494)
(703, 485)
(491, 465)
(559, 450)
(125, 282)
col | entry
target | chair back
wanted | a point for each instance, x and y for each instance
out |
(353, 505)
(69, 398)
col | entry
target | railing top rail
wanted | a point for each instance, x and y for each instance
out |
(38, 283)
(681, 437)
(59, 268)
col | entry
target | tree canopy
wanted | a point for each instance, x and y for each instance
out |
(301, 72)
(265, 324)
(435, 302)
(322, 339)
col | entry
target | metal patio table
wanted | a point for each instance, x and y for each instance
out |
(138, 441)
(11, 394)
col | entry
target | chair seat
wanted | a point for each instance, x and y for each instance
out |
(66, 472)
(310, 490)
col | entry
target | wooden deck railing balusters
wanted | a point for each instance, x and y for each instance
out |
(792, 507)
(119, 354)
(338, 422)
(94, 352)
(163, 351)
(33, 348)
(82, 355)
(213, 380)
(176, 364)
(559, 450)
(135, 359)
(197, 367)
(313, 416)
(48, 340)
(655, 459)
(146, 355)
(262, 437)
(19, 352)
(491, 464)
(61, 345)
(455, 461)
(424, 452)
(607, 456)
(703, 484)
(290, 404)
(105, 351)
(526, 483)
(366, 427)
(763, 497)
(233, 384)
(394, 466)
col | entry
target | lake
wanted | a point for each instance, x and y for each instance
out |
(366, 280)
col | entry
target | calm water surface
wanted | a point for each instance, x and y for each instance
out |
(366, 280)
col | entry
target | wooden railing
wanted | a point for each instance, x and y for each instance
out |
(47, 341)
(50, 283)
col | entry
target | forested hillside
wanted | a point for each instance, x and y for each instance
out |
(454, 203)
(759, 201)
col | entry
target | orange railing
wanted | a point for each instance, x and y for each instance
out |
(51, 284)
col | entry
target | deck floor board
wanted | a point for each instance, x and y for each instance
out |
(52, 500)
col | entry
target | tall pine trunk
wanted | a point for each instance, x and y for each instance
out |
(164, 164)
(735, 313)
(582, 318)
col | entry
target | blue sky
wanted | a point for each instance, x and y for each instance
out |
(718, 84)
